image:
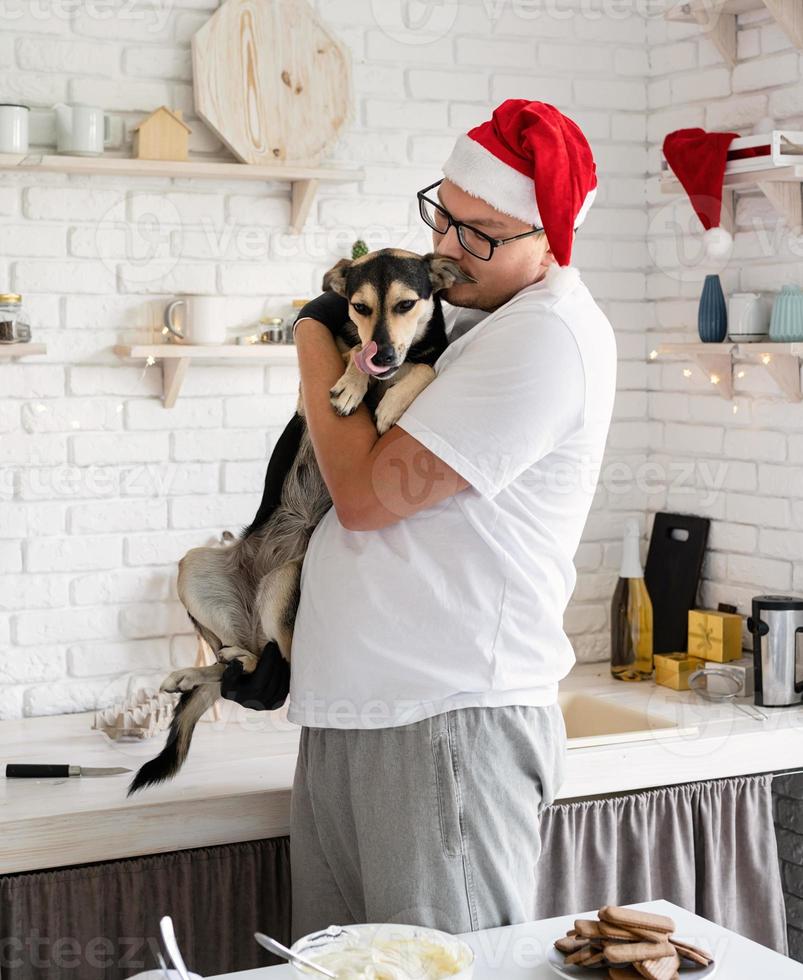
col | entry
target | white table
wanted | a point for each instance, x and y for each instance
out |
(518, 952)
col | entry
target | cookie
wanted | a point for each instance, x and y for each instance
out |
(692, 953)
(570, 944)
(587, 928)
(609, 931)
(580, 957)
(618, 915)
(635, 952)
(648, 935)
(623, 973)
(665, 968)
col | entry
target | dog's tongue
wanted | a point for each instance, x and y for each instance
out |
(362, 359)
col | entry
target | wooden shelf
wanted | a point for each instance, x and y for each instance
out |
(8, 351)
(175, 359)
(782, 186)
(304, 181)
(781, 361)
(718, 19)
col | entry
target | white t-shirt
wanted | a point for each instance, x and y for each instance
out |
(462, 604)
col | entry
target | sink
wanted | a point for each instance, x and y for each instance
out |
(593, 720)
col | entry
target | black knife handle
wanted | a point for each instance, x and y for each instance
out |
(23, 770)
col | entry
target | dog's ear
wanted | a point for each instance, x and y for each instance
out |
(444, 272)
(335, 278)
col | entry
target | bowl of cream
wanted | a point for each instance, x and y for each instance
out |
(385, 951)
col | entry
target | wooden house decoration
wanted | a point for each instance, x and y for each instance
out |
(162, 136)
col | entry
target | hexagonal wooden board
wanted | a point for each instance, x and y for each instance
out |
(271, 81)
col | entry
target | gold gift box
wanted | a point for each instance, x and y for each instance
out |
(674, 669)
(715, 635)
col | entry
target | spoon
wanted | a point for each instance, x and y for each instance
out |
(163, 966)
(169, 937)
(275, 947)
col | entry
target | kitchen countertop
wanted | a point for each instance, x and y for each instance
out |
(235, 785)
(517, 952)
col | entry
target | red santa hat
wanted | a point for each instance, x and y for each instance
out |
(533, 163)
(698, 159)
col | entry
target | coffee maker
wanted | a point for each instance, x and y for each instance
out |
(777, 629)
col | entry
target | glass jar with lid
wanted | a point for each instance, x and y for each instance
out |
(14, 325)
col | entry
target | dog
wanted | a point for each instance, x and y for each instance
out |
(242, 598)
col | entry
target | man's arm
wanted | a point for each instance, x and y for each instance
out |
(373, 481)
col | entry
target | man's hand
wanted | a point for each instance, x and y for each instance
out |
(265, 688)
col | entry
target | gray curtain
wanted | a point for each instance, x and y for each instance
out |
(709, 847)
(101, 921)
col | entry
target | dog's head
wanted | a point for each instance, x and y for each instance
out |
(390, 294)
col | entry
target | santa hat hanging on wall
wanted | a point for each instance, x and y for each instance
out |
(698, 159)
(533, 163)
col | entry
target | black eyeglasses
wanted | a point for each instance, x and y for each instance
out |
(472, 239)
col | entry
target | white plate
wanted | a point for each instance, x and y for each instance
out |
(687, 971)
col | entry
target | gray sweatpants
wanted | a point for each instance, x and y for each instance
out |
(434, 823)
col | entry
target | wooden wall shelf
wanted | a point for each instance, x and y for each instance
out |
(304, 181)
(782, 362)
(718, 19)
(175, 359)
(9, 351)
(782, 186)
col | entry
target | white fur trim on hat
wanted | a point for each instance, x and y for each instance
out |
(479, 173)
(561, 279)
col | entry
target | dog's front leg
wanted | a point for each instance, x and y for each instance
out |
(188, 678)
(401, 394)
(349, 390)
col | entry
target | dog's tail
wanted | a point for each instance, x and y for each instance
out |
(186, 715)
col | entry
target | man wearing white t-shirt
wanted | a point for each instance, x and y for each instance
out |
(429, 640)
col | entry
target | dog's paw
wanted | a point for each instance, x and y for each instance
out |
(181, 680)
(346, 396)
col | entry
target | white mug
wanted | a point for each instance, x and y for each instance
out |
(81, 130)
(14, 128)
(748, 317)
(204, 319)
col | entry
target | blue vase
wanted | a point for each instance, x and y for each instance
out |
(787, 316)
(712, 316)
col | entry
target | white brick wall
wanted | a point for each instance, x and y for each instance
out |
(102, 489)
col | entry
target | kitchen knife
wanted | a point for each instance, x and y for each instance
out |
(24, 770)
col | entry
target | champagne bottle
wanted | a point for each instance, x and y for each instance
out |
(631, 615)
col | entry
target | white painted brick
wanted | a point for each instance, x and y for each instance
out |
(370, 78)
(33, 592)
(33, 240)
(263, 278)
(124, 585)
(763, 446)
(423, 83)
(260, 412)
(73, 554)
(37, 88)
(231, 511)
(64, 625)
(20, 520)
(67, 698)
(69, 203)
(118, 380)
(31, 665)
(158, 62)
(582, 58)
(97, 659)
(243, 477)
(32, 450)
(723, 536)
(161, 549)
(760, 511)
(172, 207)
(283, 379)
(786, 544)
(11, 701)
(545, 88)
(694, 438)
(63, 277)
(670, 58)
(787, 102)
(166, 276)
(10, 556)
(748, 44)
(70, 57)
(408, 114)
(154, 619)
(780, 481)
(188, 413)
(84, 312)
(123, 447)
(763, 572)
(243, 379)
(117, 515)
(170, 479)
(611, 94)
(702, 85)
(220, 444)
(766, 72)
(70, 415)
(123, 96)
(491, 52)
(736, 114)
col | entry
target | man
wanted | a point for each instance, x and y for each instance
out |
(429, 643)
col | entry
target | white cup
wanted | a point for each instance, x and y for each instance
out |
(748, 317)
(158, 975)
(14, 128)
(81, 130)
(203, 319)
